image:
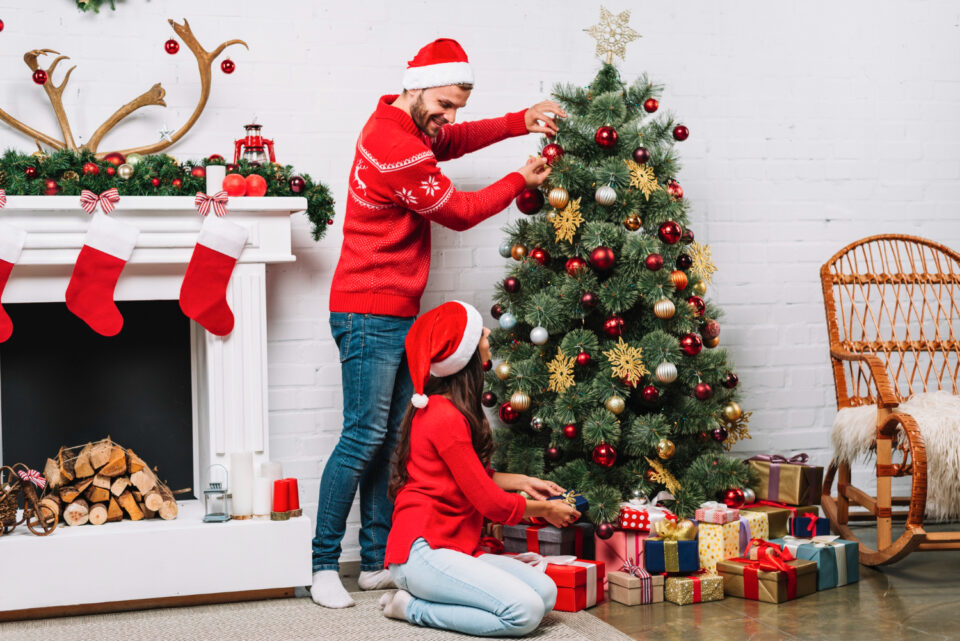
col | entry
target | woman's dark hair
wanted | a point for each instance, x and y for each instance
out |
(464, 390)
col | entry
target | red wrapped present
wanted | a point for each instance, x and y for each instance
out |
(579, 581)
(640, 515)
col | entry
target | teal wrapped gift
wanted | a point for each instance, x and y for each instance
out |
(838, 560)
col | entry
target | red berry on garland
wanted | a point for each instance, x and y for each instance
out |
(198, 172)
(297, 184)
(680, 132)
(650, 105)
(650, 394)
(256, 185)
(575, 265)
(583, 359)
(699, 307)
(234, 185)
(552, 453)
(641, 155)
(30, 172)
(155, 182)
(530, 201)
(540, 256)
(710, 328)
(177, 183)
(669, 232)
(51, 186)
(215, 159)
(228, 66)
(570, 431)
(487, 365)
(605, 531)
(684, 261)
(691, 344)
(702, 391)
(511, 284)
(733, 498)
(687, 237)
(90, 169)
(488, 399)
(497, 311)
(674, 190)
(613, 326)
(606, 137)
(653, 262)
(730, 380)
(602, 258)
(604, 455)
(40, 77)
(507, 413)
(719, 434)
(551, 152)
(115, 158)
(171, 46)
(110, 170)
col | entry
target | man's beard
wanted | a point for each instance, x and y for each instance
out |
(421, 117)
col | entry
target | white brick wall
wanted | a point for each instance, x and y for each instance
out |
(812, 124)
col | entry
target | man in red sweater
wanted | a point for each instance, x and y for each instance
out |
(396, 190)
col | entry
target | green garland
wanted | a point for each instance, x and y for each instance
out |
(66, 168)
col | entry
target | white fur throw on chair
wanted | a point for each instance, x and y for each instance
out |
(938, 415)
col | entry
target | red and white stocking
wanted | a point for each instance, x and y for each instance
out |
(106, 249)
(11, 244)
(203, 295)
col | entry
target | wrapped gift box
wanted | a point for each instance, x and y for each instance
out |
(641, 515)
(492, 529)
(808, 525)
(670, 556)
(779, 516)
(762, 581)
(789, 481)
(621, 548)
(549, 540)
(575, 499)
(756, 526)
(579, 584)
(713, 512)
(629, 589)
(684, 590)
(838, 561)
(718, 542)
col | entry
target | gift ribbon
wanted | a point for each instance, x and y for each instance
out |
(711, 511)
(34, 477)
(697, 590)
(218, 202)
(107, 200)
(533, 539)
(773, 483)
(646, 583)
(654, 511)
(744, 535)
(570, 497)
(3, 198)
(823, 541)
(541, 562)
(811, 526)
(767, 562)
(685, 530)
(796, 459)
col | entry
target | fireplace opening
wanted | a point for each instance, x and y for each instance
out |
(62, 384)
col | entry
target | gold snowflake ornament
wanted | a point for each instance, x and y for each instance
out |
(737, 430)
(612, 34)
(626, 361)
(561, 373)
(663, 476)
(568, 221)
(702, 261)
(643, 178)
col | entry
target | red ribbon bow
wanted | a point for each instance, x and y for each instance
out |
(34, 477)
(107, 200)
(218, 201)
(3, 198)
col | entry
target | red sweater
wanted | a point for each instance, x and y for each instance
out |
(448, 491)
(396, 189)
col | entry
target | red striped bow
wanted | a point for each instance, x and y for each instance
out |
(218, 201)
(34, 477)
(107, 200)
(3, 198)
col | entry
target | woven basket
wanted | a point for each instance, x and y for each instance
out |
(8, 501)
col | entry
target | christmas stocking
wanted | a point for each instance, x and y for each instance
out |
(106, 249)
(203, 295)
(11, 243)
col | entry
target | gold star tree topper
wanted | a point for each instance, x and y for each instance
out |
(612, 34)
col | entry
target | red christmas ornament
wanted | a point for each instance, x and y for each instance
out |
(650, 105)
(650, 473)
(215, 159)
(626, 381)
(110, 170)
(570, 431)
(540, 256)
(496, 311)
(530, 201)
(51, 186)
(719, 434)
(602, 258)
(507, 413)
(583, 359)
(684, 261)
(297, 184)
(653, 262)
(669, 232)
(115, 158)
(1, 25)
(613, 326)
(40, 77)
(551, 152)
(511, 284)
(232, 168)
(699, 307)
(588, 300)
(650, 394)
(702, 437)
(606, 137)
(234, 185)
(487, 365)
(199, 172)
(710, 328)
(733, 498)
(681, 133)
(641, 155)
(679, 280)
(488, 399)
(155, 181)
(604, 455)
(552, 453)
(171, 46)
(228, 66)
(702, 391)
(691, 344)
(674, 190)
(256, 185)
(177, 183)
(730, 380)
(605, 530)
(575, 265)
(90, 169)
(687, 237)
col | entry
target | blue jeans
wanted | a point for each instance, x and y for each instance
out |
(485, 596)
(376, 392)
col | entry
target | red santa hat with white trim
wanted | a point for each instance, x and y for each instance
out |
(440, 63)
(440, 343)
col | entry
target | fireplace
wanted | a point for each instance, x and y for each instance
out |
(224, 380)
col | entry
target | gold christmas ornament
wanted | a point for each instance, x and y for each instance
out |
(666, 449)
(520, 401)
(679, 279)
(558, 197)
(632, 222)
(518, 251)
(666, 372)
(626, 362)
(700, 288)
(662, 475)
(567, 222)
(612, 34)
(643, 178)
(561, 373)
(702, 264)
(615, 404)
(503, 371)
(125, 171)
(664, 308)
(711, 342)
(71, 175)
(732, 411)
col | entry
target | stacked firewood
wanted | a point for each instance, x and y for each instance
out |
(102, 481)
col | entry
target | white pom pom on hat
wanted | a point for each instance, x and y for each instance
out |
(441, 342)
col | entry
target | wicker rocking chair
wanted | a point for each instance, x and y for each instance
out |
(893, 314)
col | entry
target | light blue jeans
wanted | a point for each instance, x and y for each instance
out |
(376, 392)
(485, 596)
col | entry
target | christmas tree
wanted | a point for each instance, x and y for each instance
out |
(610, 380)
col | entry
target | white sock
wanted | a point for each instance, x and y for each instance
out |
(376, 580)
(394, 604)
(328, 591)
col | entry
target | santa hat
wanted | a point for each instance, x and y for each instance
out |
(441, 342)
(442, 62)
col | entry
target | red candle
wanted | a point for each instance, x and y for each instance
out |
(293, 496)
(281, 496)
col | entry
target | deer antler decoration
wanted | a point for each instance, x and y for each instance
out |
(153, 96)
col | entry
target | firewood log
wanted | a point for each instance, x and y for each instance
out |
(77, 513)
(114, 511)
(148, 513)
(53, 503)
(119, 485)
(144, 480)
(100, 453)
(129, 505)
(169, 508)
(51, 472)
(69, 493)
(102, 481)
(153, 500)
(137, 496)
(81, 467)
(98, 514)
(134, 463)
(84, 484)
(96, 494)
(117, 464)
(65, 461)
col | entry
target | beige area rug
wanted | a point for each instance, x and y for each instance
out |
(278, 620)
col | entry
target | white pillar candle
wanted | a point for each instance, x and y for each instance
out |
(272, 470)
(241, 479)
(215, 176)
(262, 497)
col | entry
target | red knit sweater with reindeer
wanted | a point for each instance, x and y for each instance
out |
(396, 190)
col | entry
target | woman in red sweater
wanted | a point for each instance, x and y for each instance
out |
(443, 487)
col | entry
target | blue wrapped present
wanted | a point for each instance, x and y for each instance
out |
(838, 560)
(809, 525)
(670, 556)
(575, 499)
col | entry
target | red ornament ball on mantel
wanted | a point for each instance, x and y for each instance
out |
(171, 46)
(91, 169)
(574, 266)
(507, 414)
(228, 66)
(669, 232)
(198, 172)
(297, 184)
(530, 201)
(511, 284)
(40, 77)
(605, 531)
(177, 183)
(613, 326)
(681, 133)
(606, 137)
(110, 170)
(702, 391)
(691, 344)
(115, 158)
(602, 258)
(650, 105)
(604, 455)
(52, 187)
(155, 181)
(232, 168)
(570, 431)
(256, 185)
(215, 158)
(551, 152)
(733, 498)
(234, 185)
(653, 262)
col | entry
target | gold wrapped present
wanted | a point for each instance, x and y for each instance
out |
(697, 588)
(762, 580)
(789, 481)
(718, 542)
(759, 527)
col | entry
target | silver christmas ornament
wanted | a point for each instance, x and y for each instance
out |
(749, 496)
(125, 171)
(536, 423)
(508, 320)
(666, 372)
(605, 195)
(539, 335)
(505, 248)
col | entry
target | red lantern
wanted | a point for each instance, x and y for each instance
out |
(574, 266)
(530, 201)
(602, 258)
(551, 152)
(691, 344)
(252, 145)
(604, 455)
